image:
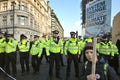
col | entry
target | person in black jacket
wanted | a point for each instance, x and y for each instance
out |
(103, 70)
(117, 66)
(118, 45)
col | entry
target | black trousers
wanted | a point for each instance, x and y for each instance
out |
(61, 59)
(76, 64)
(114, 62)
(54, 57)
(35, 63)
(44, 53)
(10, 58)
(24, 60)
(2, 60)
(81, 59)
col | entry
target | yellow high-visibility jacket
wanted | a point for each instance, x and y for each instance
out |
(72, 46)
(54, 47)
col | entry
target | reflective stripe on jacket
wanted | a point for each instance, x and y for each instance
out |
(103, 48)
(2, 45)
(54, 47)
(24, 45)
(11, 45)
(72, 46)
(36, 48)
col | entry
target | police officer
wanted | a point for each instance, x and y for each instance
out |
(10, 49)
(82, 45)
(88, 39)
(103, 70)
(118, 45)
(114, 59)
(35, 51)
(72, 50)
(2, 50)
(104, 48)
(44, 42)
(54, 48)
(24, 46)
(61, 57)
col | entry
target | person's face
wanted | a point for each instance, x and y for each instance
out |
(44, 36)
(55, 35)
(72, 35)
(1, 35)
(9, 37)
(105, 40)
(79, 37)
(36, 38)
(89, 54)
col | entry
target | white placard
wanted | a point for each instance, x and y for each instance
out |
(98, 17)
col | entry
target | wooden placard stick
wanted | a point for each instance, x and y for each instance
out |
(94, 56)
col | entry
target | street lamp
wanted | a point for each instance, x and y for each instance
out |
(13, 5)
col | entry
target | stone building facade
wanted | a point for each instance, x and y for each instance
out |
(56, 25)
(116, 28)
(27, 17)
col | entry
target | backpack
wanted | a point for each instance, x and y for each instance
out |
(105, 69)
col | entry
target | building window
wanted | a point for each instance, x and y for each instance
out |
(4, 20)
(35, 12)
(35, 2)
(31, 22)
(4, 6)
(0, 7)
(31, 9)
(19, 5)
(38, 26)
(22, 20)
(38, 4)
(11, 19)
(35, 24)
(23, 6)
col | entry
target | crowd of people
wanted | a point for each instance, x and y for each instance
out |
(54, 48)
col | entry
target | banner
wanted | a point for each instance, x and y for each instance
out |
(98, 17)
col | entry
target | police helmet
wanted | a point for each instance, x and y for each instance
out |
(104, 36)
(23, 36)
(36, 36)
(1, 33)
(80, 36)
(72, 33)
(44, 35)
(9, 35)
(55, 32)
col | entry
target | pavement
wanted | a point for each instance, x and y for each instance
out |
(43, 74)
